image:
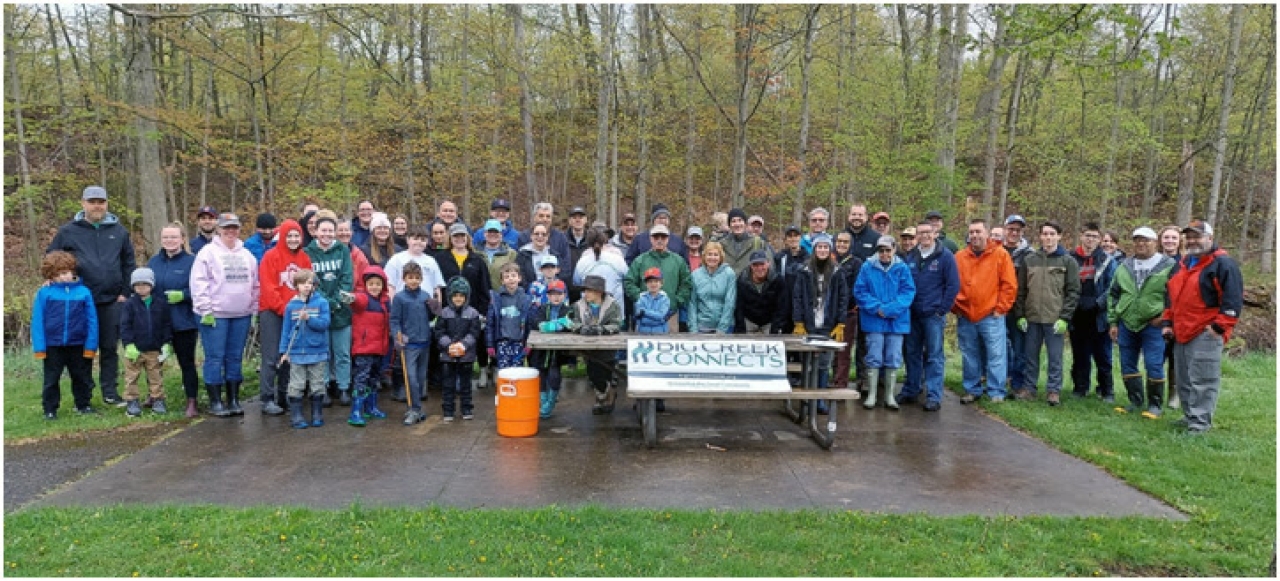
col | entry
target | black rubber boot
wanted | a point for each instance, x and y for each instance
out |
(317, 410)
(1133, 385)
(233, 398)
(215, 401)
(295, 414)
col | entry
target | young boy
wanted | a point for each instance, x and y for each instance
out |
(370, 333)
(64, 333)
(411, 311)
(596, 313)
(457, 329)
(548, 269)
(144, 331)
(652, 310)
(306, 347)
(549, 318)
(506, 331)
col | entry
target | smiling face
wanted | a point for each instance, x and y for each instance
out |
(857, 216)
(400, 226)
(1197, 243)
(374, 285)
(1012, 233)
(325, 233)
(293, 240)
(1089, 240)
(843, 242)
(978, 237)
(542, 216)
(822, 251)
(448, 212)
(713, 258)
(737, 225)
(171, 239)
(343, 232)
(658, 241)
(207, 223)
(365, 212)
(1144, 248)
(540, 236)
(439, 236)
(229, 234)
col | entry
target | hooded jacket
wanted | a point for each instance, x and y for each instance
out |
(760, 303)
(1048, 287)
(259, 247)
(1136, 304)
(835, 303)
(651, 313)
(457, 325)
(334, 273)
(174, 273)
(310, 337)
(610, 266)
(507, 313)
(937, 281)
(63, 315)
(608, 316)
(1209, 292)
(371, 319)
(411, 315)
(146, 326)
(623, 247)
(713, 300)
(224, 281)
(277, 269)
(884, 294)
(104, 255)
(988, 283)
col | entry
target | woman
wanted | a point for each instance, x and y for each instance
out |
(849, 267)
(604, 260)
(1171, 246)
(224, 291)
(438, 247)
(276, 274)
(381, 245)
(358, 260)
(172, 266)
(821, 301)
(715, 293)
(530, 254)
(400, 230)
(462, 261)
(1111, 245)
(884, 291)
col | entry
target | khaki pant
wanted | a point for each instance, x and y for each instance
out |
(150, 361)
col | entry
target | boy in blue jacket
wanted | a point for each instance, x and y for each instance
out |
(306, 347)
(506, 332)
(552, 317)
(411, 311)
(64, 333)
(145, 332)
(652, 307)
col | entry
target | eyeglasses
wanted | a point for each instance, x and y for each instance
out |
(539, 233)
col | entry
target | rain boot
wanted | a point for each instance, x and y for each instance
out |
(873, 388)
(891, 378)
(1155, 389)
(602, 405)
(357, 408)
(1132, 385)
(317, 410)
(295, 414)
(233, 398)
(555, 397)
(215, 401)
(371, 406)
(544, 405)
(191, 408)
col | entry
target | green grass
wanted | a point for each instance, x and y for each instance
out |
(1224, 481)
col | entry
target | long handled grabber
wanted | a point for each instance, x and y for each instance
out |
(404, 368)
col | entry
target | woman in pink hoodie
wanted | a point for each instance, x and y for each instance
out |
(224, 294)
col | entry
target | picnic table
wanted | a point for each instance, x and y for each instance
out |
(806, 394)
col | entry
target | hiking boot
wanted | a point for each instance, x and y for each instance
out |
(295, 414)
(371, 406)
(932, 406)
(215, 401)
(412, 417)
(233, 399)
(51, 415)
(1153, 413)
(191, 408)
(968, 398)
(133, 408)
(158, 407)
(112, 400)
(1054, 399)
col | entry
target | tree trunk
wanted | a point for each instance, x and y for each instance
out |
(142, 74)
(1011, 127)
(526, 99)
(1157, 123)
(1262, 109)
(604, 92)
(904, 53)
(1224, 110)
(744, 35)
(1267, 257)
(989, 108)
(954, 26)
(1113, 146)
(1186, 183)
(466, 107)
(810, 25)
(32, 248)
(642, 106)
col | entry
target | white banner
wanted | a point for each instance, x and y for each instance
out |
(665, 364)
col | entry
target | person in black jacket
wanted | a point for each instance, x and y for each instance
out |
(760, 296)
(457, 332)
(145, 332)
(786, 263)
(476, 272)
(850, 265)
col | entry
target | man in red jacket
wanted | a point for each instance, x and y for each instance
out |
(1206, 293)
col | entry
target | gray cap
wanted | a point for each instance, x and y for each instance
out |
(659, 229)
(886, 242)
(228, 219)
(458, 228)
(759, 257)
(694, 231)
(142, 275)
(94, 193)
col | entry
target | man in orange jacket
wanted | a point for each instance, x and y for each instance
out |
(988, 289)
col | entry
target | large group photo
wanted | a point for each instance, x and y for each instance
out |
(640, 290)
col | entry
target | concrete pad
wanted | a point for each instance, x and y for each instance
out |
(957, 461)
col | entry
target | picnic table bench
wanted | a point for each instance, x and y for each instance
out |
(647, 399)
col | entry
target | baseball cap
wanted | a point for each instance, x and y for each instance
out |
(931, 214)
(659, 229)
(880, 215)
(1015, 218)
(754, 219)
(492, 225)
(578, 210)
(653, 272)
(628, 217)
(556, 286)
(1199, 226)
(792, 228)
(759, 257)
(885, 242)
(909, 231)
(548, 260)
(694, 231)
(206, 210)
(500, 204)
(1145, 232)
(228, 219)
(94, 193)
(458, 228)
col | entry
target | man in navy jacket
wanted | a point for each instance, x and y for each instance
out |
(933, 268)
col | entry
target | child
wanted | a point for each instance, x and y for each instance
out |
(457, 329)
(144, 331)
(548, 270)
(598, 314)
(549, 318)
(506, 331)
(64, 333)
(411, 326)
(370, 334)
(306, 347)
(652, 310)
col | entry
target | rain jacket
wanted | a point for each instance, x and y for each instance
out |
(174, 273)
(988, 283)
(714, 298)
(1048, 287)
(311, 344)
(276, 271)
(676, 280)
(63, 315)
(104, 255)
(146, 326)
(1209, 293)
(1138, 305)
(500, 258)
(656, 308)
(224, 281)
(884, 294)
(371, 319)
(610, 266)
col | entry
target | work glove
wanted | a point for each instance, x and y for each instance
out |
(131, 352)
(800, 330)
(346, 298)
(457, 350)
(254, 321)
(1059, 327)
(548, 327)
(208, 320)
(838, 332)
(174, 296)
(165, 352)
(562, 323)
(492, 352)
(41, 354)
(1022, 324)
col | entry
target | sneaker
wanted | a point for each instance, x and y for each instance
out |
(86, 410)
(968, 398)
(1024, 394)
(112, 400)
(51, 415)
(158, 407)
(1109, 399)
(997, 399)
(447, 419)
(932, 406)
(412, 417)
(133, 408)
(468, 417)
(1055, 399)
(270, 408)
(1153, 413)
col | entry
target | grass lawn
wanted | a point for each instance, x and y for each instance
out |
(1224, 481)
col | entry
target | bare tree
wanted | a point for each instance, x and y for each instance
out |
(1224, 110)
(526, 113)
(810, 25)
(142, 97)
(605, 93)
(989, 105)
(955, 21)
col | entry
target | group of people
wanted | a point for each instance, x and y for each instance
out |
(346, 306)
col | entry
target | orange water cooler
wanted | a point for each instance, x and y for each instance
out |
(517, 402)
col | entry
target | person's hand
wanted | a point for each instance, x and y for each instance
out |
(800, 330)
(1115, 333)
(401, 340)
(41, 354)
(1059, 327)
(591, 330)
(284, 359)
(1212, 332)
(562, 323)
(173, 296)
(1022, 324)
(303, 314)
(254, 321)
(208, 320)
(492, 352)
(131, 352)
(121, 298)
(547, 327)
(345, 297)
(838, 332)
(165, 352)
(457, 350)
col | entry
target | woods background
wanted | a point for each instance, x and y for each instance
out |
(1124, 114)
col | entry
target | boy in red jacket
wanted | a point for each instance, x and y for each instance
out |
(370, 338)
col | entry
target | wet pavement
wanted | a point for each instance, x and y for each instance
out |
(958, 461)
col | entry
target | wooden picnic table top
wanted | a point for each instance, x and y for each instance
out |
(576, 342)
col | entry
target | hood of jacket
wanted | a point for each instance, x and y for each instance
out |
(106, 220)
(286, 227)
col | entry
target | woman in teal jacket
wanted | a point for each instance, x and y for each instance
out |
(715, 293)
(884, 292)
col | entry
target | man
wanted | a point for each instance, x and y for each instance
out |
(997, 236)
(360, 229)
(676, 280)
(497, 253)
(544, 213)
(1135, 304)
(206, 228)
(880, 223)
(264, 239)
(1048, 288)
(818, 220)
(787, 263)
(1018, 249)
(864, 238)
(499, 210)
(447, 214)
(740, 244)
(755, 225)
(576, 234)
(933, 268)
(104, 263)
(907, 241)
(659, 215)
(935, 219)
(693, 247)
(987, 292)
(1089, 336)
(760, 294)
(626, 234)
(1206, 293)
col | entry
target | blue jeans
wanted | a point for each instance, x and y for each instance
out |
(1147, 343)
(982, 348)
(925, 356)
(415, 361)
(884, 350)
(1037, 334)
(340, 357)
(224, 349)
(1017, 355)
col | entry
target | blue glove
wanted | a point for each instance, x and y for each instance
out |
(548, 327)
(562, 323)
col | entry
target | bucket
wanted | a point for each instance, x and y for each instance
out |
(517, 402)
